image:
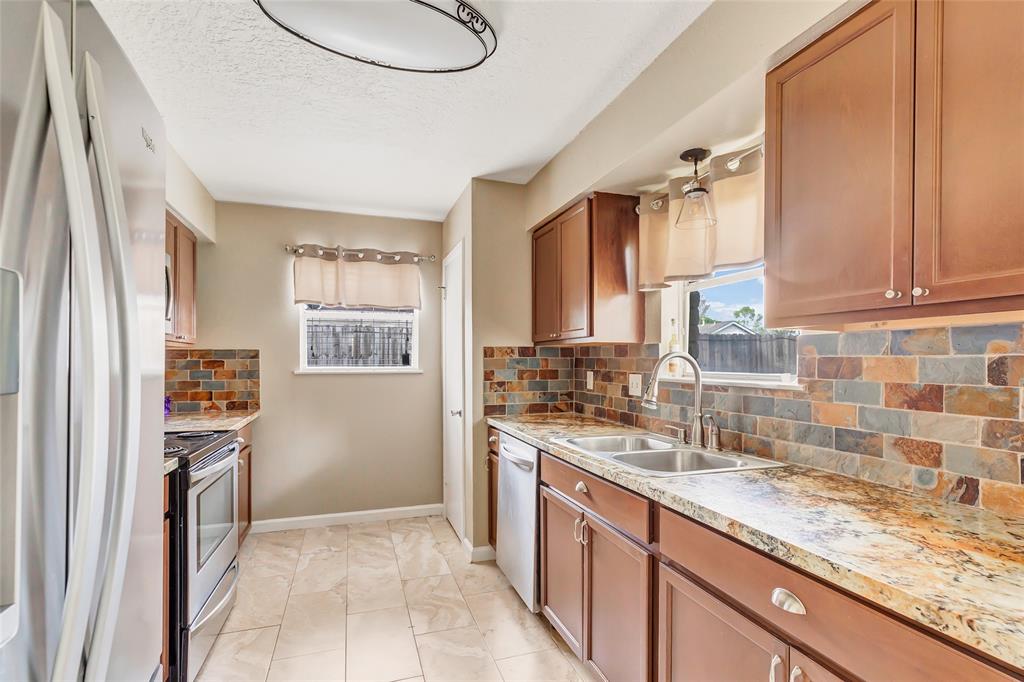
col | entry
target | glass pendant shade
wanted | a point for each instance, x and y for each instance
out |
(697, 210)
(408, 35)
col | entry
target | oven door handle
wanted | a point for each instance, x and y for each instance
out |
(205, 618)
(215, 468)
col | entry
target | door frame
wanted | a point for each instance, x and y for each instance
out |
(459, 438)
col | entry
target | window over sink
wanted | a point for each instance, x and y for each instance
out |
(339, 339)
(721, 323)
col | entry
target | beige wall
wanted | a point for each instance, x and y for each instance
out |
(188, 199)
(324, 443)
(502, 308)
(487, 219)
(724, 43)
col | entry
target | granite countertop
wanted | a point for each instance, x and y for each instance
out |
(209, 421)
(952, 568)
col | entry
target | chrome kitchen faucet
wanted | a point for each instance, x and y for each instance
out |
(651, 391)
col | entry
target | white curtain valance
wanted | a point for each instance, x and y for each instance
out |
(368, 284)
(668, 253)
(653, 240)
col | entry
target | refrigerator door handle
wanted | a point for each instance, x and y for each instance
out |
(125, 355)
(87, 286)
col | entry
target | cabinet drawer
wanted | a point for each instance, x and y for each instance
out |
(246, 433)
(492, 439)
(623, 509)
(866, 642)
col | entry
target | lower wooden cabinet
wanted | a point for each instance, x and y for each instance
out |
(701, 639)
(617, 603)
(803, 668)
(492, 499)
(561, 567)
(596, 589)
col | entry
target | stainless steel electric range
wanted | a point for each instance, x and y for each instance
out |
(204, 542)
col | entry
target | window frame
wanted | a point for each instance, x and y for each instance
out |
(342, 314)
(774, 379)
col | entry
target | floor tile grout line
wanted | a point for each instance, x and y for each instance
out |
(291, 583)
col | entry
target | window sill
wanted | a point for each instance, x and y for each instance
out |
(360, 370)
(795, 386)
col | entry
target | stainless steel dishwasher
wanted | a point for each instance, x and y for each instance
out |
(518, 476)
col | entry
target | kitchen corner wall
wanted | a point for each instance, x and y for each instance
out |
(487, 220)
(934, 411)
(333, 442)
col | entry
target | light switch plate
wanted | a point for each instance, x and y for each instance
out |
(590, 381)
(635, 384)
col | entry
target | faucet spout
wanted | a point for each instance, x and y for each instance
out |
(649, 399)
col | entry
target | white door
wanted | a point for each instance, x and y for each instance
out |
(454, 388)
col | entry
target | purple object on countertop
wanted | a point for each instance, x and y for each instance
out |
(167, 405)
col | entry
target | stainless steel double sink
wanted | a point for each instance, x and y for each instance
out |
(656, 455)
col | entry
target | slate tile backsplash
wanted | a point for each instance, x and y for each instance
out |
(525, 379)
(934, 411)
(205, 380)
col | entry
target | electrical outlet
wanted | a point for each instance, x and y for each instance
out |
(590, 381)
(635, 384)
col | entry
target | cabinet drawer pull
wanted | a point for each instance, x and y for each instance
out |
(492, 439)
(787, 601)
(776, 660)
(576, 535)
(584, 536)
(581, 488)
(795, 674)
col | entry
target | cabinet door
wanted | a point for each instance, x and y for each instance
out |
(170, 274)
(617, 604)
(839, 164)
(244, 492)
(969, 203)
(701, 639)
(805, 669)
(546, 319)
(574, 271)
(561, 567)
(492, 499)
(185, 296)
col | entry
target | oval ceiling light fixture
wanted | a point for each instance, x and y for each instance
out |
(426, 36)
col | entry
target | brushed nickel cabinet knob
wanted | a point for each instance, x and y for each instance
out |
(892, 293)
(918, 291)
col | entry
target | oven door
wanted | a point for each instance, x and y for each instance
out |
(212, 525)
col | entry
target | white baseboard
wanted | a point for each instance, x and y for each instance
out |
(477, 554)
(341, 518)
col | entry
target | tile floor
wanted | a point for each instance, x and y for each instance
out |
(380, 601)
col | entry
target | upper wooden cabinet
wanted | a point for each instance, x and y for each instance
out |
(969, 151)
(894, 159)
(840, 120)
(180, 274)
(585, 268)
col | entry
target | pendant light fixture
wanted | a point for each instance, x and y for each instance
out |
(427, 36)
(697, 210)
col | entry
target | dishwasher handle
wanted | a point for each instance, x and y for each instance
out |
(524, 464)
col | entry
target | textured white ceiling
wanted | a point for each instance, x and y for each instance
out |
(263, 117)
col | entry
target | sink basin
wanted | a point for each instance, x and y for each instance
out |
(686, 461)
(603, 445)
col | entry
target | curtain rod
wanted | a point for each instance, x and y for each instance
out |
(317, 251)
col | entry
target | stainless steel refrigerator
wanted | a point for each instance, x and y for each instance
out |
(81, 351)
